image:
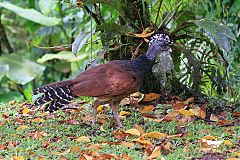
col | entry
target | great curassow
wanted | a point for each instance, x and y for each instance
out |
(109, 82)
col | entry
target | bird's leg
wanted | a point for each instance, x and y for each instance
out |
(114, 106)
(95, 104)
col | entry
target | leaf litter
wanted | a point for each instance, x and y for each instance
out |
(71, 134)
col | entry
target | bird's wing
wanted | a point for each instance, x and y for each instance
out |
(110, 79)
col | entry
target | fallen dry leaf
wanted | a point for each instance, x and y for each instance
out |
(228, 143)
(38, 120)
(214, 118)
(140, 129)
(141, 140)
(156, 153)
(128, 144)
(146, 109)
(186, 112)
(178, 106)
(236, 114)
(88, 157)
(18, 158)
(126, 157)
(100, 109)
(75, 149)
(22, 127)
(150, 97)
(25, 110)
(197, 111)
(83, 138)
(124, 113)
(156, 135)
(133, 132)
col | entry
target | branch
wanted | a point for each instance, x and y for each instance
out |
(94, 15)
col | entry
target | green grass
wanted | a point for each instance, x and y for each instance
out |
(61, 135)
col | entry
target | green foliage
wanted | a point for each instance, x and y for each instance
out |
(206, 54)
(31, 14)
(19, 69)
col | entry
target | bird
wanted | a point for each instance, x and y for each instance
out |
(109, 83)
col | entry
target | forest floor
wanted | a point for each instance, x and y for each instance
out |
(177, 130)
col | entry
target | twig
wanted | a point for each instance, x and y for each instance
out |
(160, 4)
(93, 15)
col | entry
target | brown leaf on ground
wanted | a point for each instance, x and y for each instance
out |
(150, 97)
(83, 139)
(178, 106)
(236, 114)
(146, 109)
(133, 132)
(156, 135)
(156, 153)
(126, 157)
(166, 147)
(139, 128)
(170, 117)
(142, 141)
(214, 118)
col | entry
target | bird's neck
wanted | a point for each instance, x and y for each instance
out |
(143, 65)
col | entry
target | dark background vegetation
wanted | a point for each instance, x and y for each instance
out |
(37, 37)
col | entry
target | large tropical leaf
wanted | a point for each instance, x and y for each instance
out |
(20, 69)
(219, 33)
(64, 55)
(31, 14)
(80, 41)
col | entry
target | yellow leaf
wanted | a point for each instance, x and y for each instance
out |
(144, 35)
(228, 143)
(154, 135)
(133, 132)
(139, 128)
(232, 159)
(75, 149)
(186, 112)
(18, 158)
(198, 112)
(100, 109)
(209, 137)
(156, 153)
(22, 127)
(38, 120)
(83, 138)
(124, 113)
(237, 153)
(141, 140)
(25, 110)
(128, 144)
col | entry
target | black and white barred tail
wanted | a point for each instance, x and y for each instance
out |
(55, 96)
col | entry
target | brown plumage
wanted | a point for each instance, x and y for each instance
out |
(109, 83)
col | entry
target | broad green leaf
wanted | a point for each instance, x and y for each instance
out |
(4, 68)
(46, 6)
(79, 42)
(111, 27)
(9, 96)
(64, 55)
(96, 1)
(31, 14)
(219, 33)
(21, 70)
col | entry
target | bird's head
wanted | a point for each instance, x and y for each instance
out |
(158, 43)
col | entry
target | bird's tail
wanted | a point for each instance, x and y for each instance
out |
(55, 95)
